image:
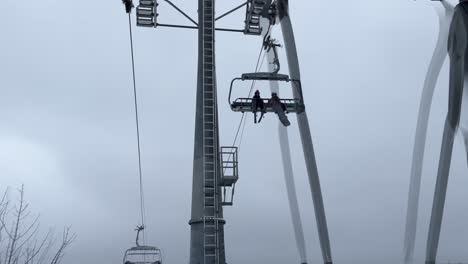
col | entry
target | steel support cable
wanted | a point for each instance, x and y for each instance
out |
(242, 120)
(250, 94)
(251, 88)
(257, 68)
(135, 100)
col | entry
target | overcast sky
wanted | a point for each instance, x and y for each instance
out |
(67, 129)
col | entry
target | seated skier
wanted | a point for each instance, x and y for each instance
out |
(279, 108)
(128, 5)
(257, 103)
(275, 100)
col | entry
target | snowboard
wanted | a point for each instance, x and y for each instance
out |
(281, 115)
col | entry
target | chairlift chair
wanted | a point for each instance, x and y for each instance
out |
(244, 104)
(143, 255)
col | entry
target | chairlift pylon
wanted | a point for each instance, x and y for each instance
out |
(142, 254)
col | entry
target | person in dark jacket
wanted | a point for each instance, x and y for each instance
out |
(257, 103)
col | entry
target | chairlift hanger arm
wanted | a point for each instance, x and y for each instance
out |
(276, 61)
(139, 229)
(271, 44)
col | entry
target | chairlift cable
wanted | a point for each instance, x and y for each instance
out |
(243, 117)
(135, 100)
(251, 88)
(250, 94)
(257, 68)
(241, 127)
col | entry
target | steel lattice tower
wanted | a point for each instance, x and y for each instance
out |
(215, 168)
(207, 224)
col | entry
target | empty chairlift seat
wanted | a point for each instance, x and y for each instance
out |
(244, 104)
(147, 13)
(143, 255)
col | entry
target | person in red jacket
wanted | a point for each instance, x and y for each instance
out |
(279, 108)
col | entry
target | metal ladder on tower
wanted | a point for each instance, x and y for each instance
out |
(210, 141)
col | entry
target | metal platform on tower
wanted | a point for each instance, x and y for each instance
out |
(230, 173)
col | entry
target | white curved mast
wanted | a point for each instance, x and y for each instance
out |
(457, 49)
(289, 175)
(304, 130)
(444, 13)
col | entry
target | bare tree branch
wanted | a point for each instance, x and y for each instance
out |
(35, 250)
(19, 242)
(14, 238)
(67, 239)
(47, 248)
